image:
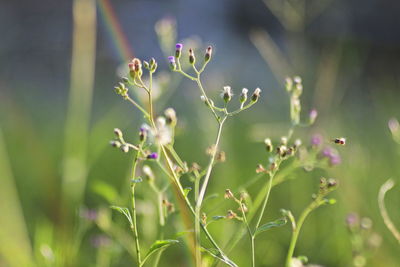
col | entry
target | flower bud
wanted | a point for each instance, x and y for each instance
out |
(228, 194)
(231, 215)
(208, 54)
(226, 94)
(115, 143)
(143, 133)
(172, 63)
(284, 140)
(256, 95)
(170, 116)
(289, 84)
(148, 173)
(135, 65)
(152, 155)
(243, 95)
(125, 148)
(268, 145)
(192, 58)
(146, 65)
(178, 50)
(118, 133)
(313, 116)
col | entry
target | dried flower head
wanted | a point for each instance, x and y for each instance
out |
(228, 194)
(256, 95)
(226, 94)
(231, 215)
(243, 95)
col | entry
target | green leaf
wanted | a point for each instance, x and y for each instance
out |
(158, 245)
(124, 211)
(105, 190)
(186, 191)
(267, 226)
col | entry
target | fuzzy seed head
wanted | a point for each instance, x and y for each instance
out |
(256, 95)
(226, 94)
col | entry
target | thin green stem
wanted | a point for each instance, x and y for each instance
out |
(134, 226)
(138, 106)
(297, 227)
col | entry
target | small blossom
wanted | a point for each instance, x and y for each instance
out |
(208, 54)
(297, 143)
(135, 65)
(243, 95)
(256, 95)
(148, 172)
(268, 144)
(172, 63)
(289, 84)
(313, 116)
(125, 148)
(393, 125)
(178, 50)
(260, 168)
(192, 58)
(152, 155)
(231, 215)
(227, 94)
(335, 160)
(118, 133)
(170, 116)
(115, 143)
(316, 140)
(284, 140)
(244, 207)
(221, 156)
(352, 220)
(228, 194)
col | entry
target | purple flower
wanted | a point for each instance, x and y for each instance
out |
(88, 214)
(100, 241)
(171, 59)
(179, 46)
(335, 159)
(316, 140)
(327, 152)
(153, 155)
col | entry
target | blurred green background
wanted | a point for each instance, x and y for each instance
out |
(59, 61)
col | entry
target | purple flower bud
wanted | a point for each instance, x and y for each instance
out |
(172, 63)
(179, 46)
(88, 214)
(178, 50)
(171, 59)
(327, 152)
(153, 155)
(313, 115)
(352, 219)
(316, 140)
(335, 159)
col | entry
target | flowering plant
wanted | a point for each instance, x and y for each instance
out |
(156, 144)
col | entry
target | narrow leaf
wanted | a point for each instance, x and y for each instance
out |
(158, 245)
(269, 225)
(187, 190)
(124, 211)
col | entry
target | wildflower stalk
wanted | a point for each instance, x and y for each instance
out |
(134, 220)
(326, 186)
(381, 201)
